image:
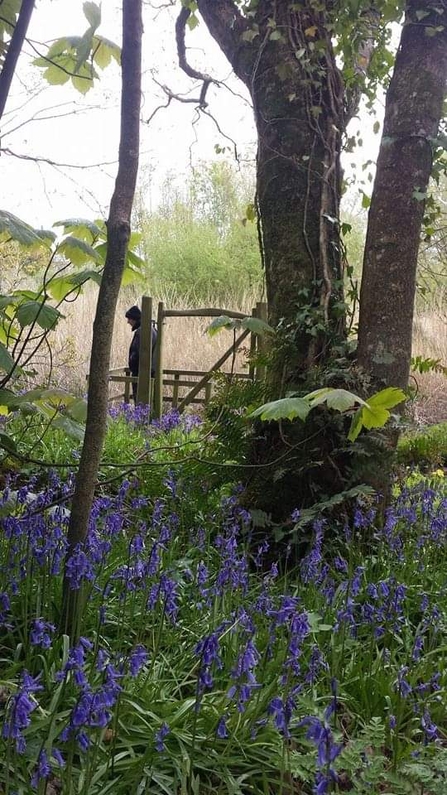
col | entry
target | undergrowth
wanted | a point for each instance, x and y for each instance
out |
(205, 666)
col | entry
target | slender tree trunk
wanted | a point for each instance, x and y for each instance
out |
(118, 232)
(412, 118)
(14, 50)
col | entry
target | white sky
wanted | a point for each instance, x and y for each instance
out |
(85, 130)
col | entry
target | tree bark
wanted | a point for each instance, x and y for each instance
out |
(14, 50)
(298, 107)
(413, 112)
(118, 233)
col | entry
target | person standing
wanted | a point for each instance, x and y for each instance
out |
(133, 316)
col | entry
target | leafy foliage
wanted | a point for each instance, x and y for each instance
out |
(373, 413)
(75, 57)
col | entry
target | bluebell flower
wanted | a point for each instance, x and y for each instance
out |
(42, 770)
(160, 737)
(222, 731)
(137, 660)
(19, 709)
(41, 632)
(78, 568)
(208, 650)
(429, 728)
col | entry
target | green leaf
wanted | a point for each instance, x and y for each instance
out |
(257, 326)
(387, 398)
(374, 417)
(81, 228)
(54, 74)
(78, 251)
(275, 35)
(7, 443)
(223, 321)
(78, 410)
(356, 426)
(83, 84)
(337, 399)
(92, 12)
(7, 398)
(18, 230)
(104, 50)
(72, 428)
(366, 201)
(61, 286)
(285, 409)
(6, 360)
(37, 311)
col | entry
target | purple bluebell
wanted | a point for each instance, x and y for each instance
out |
(222, 731)
(160, 737)
(41, 632)
(42, 769)
(137, 659)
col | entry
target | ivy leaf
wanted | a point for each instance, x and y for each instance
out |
(285, 409)
(223, 321)
(37, 311)
(250, 35)
(275, 35)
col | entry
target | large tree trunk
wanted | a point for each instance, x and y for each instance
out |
(289, 68)
(118, 233)
(412, 118)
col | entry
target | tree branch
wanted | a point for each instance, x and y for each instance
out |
(14, 50)
(227, 26)
(370, 19)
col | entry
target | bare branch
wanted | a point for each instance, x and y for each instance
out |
(49, 162)
(180, 37)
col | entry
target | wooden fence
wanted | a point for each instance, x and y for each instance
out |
(181, 388)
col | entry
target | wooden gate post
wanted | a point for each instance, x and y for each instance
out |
(262, 314)
(253, 349)
(145, 365)
(158, 380)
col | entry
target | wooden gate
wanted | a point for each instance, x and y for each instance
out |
(151, 390)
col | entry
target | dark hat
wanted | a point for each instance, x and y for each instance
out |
(134, 313)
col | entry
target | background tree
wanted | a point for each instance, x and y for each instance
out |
(118, 229)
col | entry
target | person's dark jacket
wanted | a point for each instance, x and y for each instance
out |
(134, 351)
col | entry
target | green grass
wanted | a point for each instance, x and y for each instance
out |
(427, 447)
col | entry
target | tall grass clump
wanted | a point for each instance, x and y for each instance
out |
(207, 665)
